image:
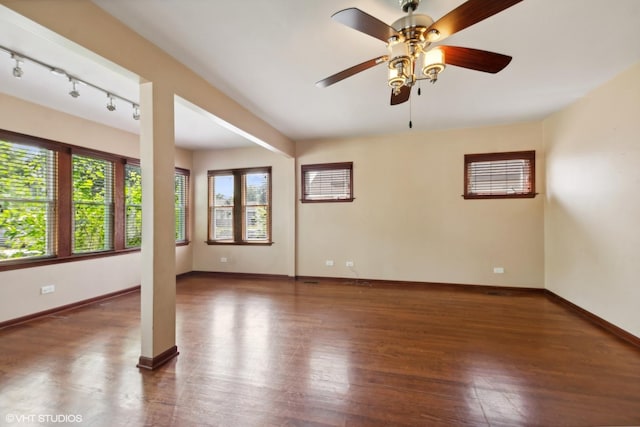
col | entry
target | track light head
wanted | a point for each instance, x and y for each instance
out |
(17, 70)
(110, 105)
(76, 82)
(74, 91)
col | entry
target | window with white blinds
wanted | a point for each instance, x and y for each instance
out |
(28, 179)
(327, 182)
(499, 175)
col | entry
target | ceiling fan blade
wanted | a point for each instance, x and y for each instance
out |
(351, 71)
(363, 22)
(469, 13)
(403, 96)
(474, 59)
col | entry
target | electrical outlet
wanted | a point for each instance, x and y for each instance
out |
(349, 263)
(47, 289)
(329, 263)
(498, 270)
(223, 259)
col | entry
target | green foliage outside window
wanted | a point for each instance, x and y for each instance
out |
(133, 206)
(29, 186)
(92, 204)
(27, 204)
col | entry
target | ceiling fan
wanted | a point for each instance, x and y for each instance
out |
(411, 57)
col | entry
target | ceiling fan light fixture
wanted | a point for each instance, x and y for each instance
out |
(432, 64)
(398, 73)
(399, 64)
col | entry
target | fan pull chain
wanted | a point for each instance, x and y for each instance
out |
(419, 89)
(410, 114)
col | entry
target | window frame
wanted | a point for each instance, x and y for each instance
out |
(239, 207)
(323, 167)
(64, 212)
(529, 155)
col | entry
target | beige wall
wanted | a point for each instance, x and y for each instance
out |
(592, 208)
(409, 221)
(74, 281)
(276, 259)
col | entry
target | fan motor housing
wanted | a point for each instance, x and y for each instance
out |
(413, 27)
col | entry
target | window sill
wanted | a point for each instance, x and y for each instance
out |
(37, 262)
(328, 200)
(499, 196)
(216, 242)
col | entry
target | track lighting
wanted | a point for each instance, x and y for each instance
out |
(110, 105)
(17, 70)
(20, 58)
(74, 92)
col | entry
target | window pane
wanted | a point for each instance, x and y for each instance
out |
(256, 188)
(181, 205)
(223, 186)
(222, 223)
(27, 201)
(256, 196)
(221, 198)
(133, 206)
(92, 204)
(256, 221)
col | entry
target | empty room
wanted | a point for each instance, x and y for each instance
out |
(336, 213)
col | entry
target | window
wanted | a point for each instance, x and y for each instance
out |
(182, 204)
(240, 206)
(132, 206)
(60, 203)
(27, 200)
(499, 175)
(329, 182)
(92, 188)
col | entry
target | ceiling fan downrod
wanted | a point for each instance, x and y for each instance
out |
(407, 5)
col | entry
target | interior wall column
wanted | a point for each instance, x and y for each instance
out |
(158, 282)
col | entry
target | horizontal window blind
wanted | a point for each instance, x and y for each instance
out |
(327, 182)
(504, 174)
(221, 204)
(256, 212)
(27, 200)
(92, 198)
(182, 204)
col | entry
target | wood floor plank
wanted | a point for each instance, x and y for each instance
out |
(277, 352)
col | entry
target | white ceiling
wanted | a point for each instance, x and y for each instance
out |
(267, 55)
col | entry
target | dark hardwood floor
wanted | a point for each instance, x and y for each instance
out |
(268, 352)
